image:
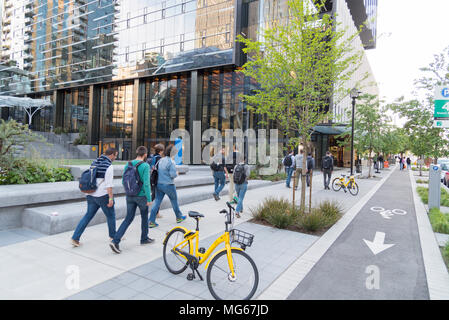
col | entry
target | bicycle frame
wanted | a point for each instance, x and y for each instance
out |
(346, 183)
(225, 238)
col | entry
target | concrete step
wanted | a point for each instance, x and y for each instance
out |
(59, 218)
(45, 193)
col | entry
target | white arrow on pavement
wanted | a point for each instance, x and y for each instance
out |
(378, 245)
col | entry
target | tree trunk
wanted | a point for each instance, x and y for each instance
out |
(310, 194)
(303, 178)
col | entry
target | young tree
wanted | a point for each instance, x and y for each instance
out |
(300, 64)
(424, 140)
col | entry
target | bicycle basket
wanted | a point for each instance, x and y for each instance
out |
(242, 237)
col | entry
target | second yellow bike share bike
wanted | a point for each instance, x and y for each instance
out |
(231, 273)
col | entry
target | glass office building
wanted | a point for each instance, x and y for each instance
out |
(132, 71)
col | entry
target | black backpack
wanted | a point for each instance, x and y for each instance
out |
(154, 174)
(131, 179)
(214, 166)
(309, 163)
(288, 161)
(88, 180)
(327, 162)
(239, 174)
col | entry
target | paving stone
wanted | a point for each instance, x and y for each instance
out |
(85, 295)
(141, 284)
(160, 291)
(126, 278)
(106, 287)
(122, 293)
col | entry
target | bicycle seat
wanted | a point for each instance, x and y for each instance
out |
(194, 214)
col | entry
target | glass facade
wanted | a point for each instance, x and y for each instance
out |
(52, 44)
(76, 109)
(129, 70)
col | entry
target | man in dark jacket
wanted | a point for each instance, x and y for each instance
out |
(327, 166)
(310, 166)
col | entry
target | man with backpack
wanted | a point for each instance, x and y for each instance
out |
(327, 166)
(289, 164)
(231, 162)
(219, 172)
(136, 181)
(310, 167)
(241, 174)
(97, 183)
(152, 161)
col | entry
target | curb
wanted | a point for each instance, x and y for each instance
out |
(436, 272)
(282, 287)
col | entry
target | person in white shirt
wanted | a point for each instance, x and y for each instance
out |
(102, 197)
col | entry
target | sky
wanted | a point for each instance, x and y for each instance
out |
(409, 33)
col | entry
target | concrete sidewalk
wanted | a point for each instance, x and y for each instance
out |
(43, 268)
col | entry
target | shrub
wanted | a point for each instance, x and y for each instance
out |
(332, 210)
(280, 214)
(313, 221)
(23, 171)
(445, 251)
(439, 221)
(277, 212)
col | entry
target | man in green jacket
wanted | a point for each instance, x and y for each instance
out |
(142, 200)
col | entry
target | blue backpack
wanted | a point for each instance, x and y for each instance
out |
(88, 180)
(131, 179)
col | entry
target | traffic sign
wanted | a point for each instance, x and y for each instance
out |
(441, 110)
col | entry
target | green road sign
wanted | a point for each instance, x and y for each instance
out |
(441, 109)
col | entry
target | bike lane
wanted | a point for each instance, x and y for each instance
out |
(378, 256)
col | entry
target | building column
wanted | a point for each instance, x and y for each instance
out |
(93, 123)
(196, 89)
(138, 118)
(59, 108)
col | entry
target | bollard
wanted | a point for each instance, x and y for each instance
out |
(434, 186)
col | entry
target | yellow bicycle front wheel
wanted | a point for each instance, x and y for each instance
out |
(223, 286)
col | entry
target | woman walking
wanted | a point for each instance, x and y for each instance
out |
(166, 186)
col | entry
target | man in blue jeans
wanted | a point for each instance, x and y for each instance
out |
(241, 175)
(101, 198)
(289, 164)
(220, 173)
(142, 200)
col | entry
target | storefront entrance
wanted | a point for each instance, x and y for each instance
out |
(123, 146)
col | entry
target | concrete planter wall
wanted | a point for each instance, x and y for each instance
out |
(87, 150)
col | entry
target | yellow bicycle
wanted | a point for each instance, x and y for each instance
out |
(231, 273)
(346, 184)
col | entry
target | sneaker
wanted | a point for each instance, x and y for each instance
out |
(75, 243)
(216, 197)
(237, 214)
(159, 215)
(181, 219)
(115, 247)
(147, 241)
(153, 225)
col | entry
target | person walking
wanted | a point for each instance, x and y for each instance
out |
(289, 164)
(298, 167)
(220, 173)
(231, 162)
(381, 161)
(409, 163)
(102, 197)
(241, 174)
(166, 169)
(142, 200)
(310, 167)
(152, 161)
(327, 166)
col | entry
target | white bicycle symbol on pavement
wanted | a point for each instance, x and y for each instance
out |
(387, 214)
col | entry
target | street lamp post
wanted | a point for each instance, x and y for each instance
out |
(354, 95)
